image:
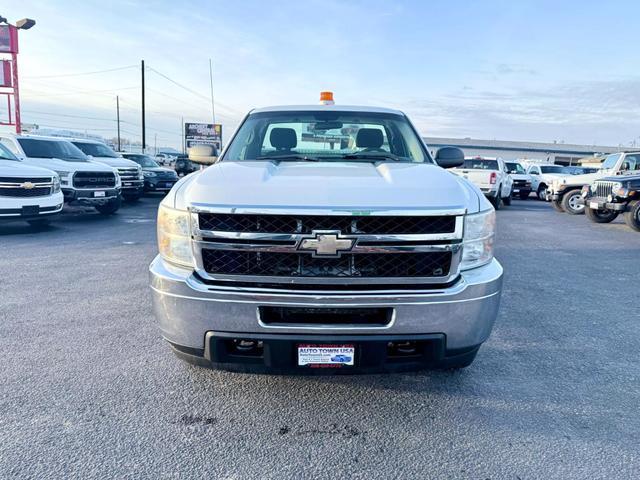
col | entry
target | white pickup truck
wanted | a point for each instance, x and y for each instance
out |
(491, 176)
(27, 193)
(325, 239)
(543, 176)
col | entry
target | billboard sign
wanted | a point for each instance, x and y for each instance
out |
(203, 134)
(8, 39)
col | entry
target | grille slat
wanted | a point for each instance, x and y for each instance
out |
(362, 265)
(290, 224)
(25, 179)
(25, 192)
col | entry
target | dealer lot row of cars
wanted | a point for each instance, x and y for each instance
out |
(38, 175)
(603, 195)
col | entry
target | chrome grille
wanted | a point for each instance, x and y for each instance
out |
(374, 249)
(128, 174)
(603, 189)
(23, 187)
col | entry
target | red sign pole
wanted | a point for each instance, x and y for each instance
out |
(16, 92)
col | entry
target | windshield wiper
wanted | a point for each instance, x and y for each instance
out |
(290, 156)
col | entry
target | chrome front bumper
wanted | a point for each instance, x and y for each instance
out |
(186, 308)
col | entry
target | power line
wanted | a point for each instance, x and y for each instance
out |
(178, 84)
(116, 69)
(82, 92)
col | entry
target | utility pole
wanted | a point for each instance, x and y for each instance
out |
(182, 132)
(118, 118)
(213, 110)
(144, 143)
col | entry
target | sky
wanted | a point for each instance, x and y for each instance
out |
(527, 70)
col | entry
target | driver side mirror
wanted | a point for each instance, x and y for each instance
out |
(203, 154)
(449, 157)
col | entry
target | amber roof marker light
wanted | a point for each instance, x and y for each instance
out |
(326, 98)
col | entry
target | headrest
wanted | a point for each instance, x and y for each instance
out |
(283, 138)
(369, 138)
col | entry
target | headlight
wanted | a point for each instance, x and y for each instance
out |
(118, 181)
(56, 184)
(174, 236)
(62, 175)
(140, 175)
(477, 246)
(149, 174)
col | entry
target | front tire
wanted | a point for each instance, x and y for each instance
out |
(542, 192)
(110, 207)
(496, 202)
(570, 202)
(600, 216)
(507, 200)
(632, 215)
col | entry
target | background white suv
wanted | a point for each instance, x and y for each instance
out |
(27, 193)
(83, 182)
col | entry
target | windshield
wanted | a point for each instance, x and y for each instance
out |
(554, 169)
(610, 161)
(327, 136)
(143, 160)
(38, 148)
(515, 168)
(95, 149)
(5, 154)
(480, 164)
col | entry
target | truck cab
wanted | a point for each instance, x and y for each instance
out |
(324, 233)
(27, 193)
(83, 182)
(132, 181)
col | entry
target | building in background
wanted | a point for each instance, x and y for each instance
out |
(558, 153)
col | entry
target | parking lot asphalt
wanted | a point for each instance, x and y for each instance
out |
(89, 390)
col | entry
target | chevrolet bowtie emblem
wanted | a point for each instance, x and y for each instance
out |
(326, 244)
(27, 185)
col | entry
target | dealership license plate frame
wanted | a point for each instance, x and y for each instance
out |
(326, 355)
(99, 194)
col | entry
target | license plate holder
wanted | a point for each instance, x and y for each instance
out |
(29, 210)
(99, 194)
(326, 355)
(594, 205)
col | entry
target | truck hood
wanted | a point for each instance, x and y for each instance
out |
(10, 168)
(585, 179)
(521, 176)
(62, 165)
(114, 162)
(328, 185)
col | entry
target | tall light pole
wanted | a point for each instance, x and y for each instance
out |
(9, 44)
(213, 108)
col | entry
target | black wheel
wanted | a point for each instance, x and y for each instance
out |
(131, 198)
(39, 223)
(571, 202)
(542, 192)
(632, 216)
(507, 200)
(557, 205)
(524, 195)
(600, 216)
(110, 207)
(496, 202)
(458, 361)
